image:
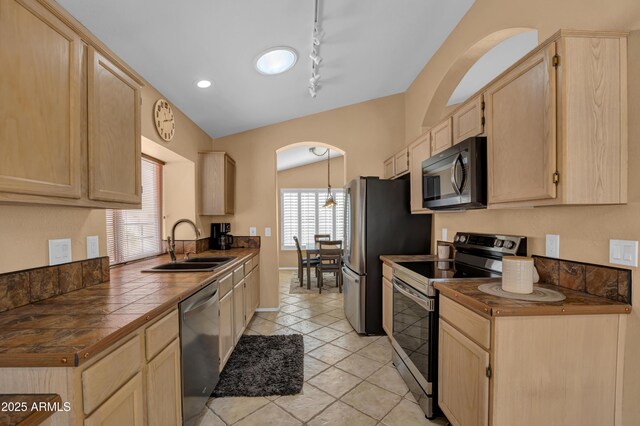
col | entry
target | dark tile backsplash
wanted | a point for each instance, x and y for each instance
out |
(23, 287)
(603, 281)
(194, 246)
(245, 242)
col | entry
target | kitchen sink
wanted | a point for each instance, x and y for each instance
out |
(214, 259)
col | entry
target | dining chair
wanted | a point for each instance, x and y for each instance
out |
(302, 262)
(330, 261)
(321, 237)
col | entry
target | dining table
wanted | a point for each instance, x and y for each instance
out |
(311, 254)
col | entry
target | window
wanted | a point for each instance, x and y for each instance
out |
(302, 215)
(135, 234)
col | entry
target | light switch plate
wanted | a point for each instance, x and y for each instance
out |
(444, 234)
(552, 246)
(252, 231)
(93, 246)
(623, 252)
(267, 231)
(59, 251)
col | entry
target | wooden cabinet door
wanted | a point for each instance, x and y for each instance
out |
(238, 311)
(40, 102)
(521, 130)
(401, 161)
(125, 407)
(468, 120)
(248, 296)
(164, 392)
(387, 306)
(441, 137)
(226, 328)
(463, 385)
(389, 168)
(419, 151)
(256, 286)
(229, 185)
(114, 133)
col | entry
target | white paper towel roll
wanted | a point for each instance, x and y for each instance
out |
(517, 274)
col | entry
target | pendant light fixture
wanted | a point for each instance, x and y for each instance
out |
(331, 202)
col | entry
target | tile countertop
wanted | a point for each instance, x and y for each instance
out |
(72, 328)
(466, 292)
(17, 409)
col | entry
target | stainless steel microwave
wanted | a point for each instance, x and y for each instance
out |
(456, 179)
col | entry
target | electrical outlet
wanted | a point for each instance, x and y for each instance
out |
(267, 231)
(253, 231)
(93, 246)
(59, 251)
(444, 234)
(552, 246)
(622, 252)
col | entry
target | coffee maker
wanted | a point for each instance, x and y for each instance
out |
(220, 237)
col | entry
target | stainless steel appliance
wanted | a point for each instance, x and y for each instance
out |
(415, 306)
(455, 179)
(377, 221)
(199, 334)
(220, 238)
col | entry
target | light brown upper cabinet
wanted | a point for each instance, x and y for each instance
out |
(441, 136)
(401, 161)
(217, 183)
(390, 167)
(114, 132)
(557, 124)
(419, 150)
(40, 102)
(69, 113)
(468, 120)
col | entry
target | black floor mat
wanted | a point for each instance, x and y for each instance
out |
(263, 366)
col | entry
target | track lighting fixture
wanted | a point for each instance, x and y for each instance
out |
(316, 38)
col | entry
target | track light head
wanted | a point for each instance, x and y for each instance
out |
(312, 92)
(314, 79)
(315, 58)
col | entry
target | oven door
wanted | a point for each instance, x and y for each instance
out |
(414, 332)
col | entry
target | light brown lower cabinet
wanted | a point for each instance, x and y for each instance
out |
(387, 306)
(164, 387)
(529, 370)
(226, 328)
(238, 311)
(125, 407)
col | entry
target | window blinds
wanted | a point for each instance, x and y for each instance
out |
(302, 215)
(135, 234)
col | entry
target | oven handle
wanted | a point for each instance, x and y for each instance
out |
(424, 301)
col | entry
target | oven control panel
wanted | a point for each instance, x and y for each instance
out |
(503, 244)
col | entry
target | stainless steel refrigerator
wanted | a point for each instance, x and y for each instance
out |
(378, 221)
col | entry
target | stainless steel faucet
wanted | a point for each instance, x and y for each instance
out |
(172, 239)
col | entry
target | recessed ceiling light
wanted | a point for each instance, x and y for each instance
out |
(203, 84)
(276, 60)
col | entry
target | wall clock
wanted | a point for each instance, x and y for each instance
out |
(164, 119)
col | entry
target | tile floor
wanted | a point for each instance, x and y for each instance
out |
(349, 379)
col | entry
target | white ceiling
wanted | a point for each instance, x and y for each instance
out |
(493, 63)
(371, 48)
(300, 156)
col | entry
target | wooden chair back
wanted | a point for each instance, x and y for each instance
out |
(330, 253)
(295, 239)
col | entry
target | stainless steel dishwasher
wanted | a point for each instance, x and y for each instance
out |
(199, 334)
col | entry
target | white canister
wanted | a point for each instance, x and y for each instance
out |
(444, 251)
(517, 274)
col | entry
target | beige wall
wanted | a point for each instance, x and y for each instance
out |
(368, 132)
(308, 176)
(584, 231)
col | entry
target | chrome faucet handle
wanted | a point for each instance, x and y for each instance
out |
(186, 255)
(172, 249)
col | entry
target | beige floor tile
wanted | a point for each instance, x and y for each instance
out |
(336, 303)
(287, 320)
(335, 382)
(306, 404)
(306, 326)
(268, 315)
(388, 378)
(330, 354)
(359, 366)
(340, 414)
(311, 343)
(376, 352)
(342, 325)
(266, 327)
(233, 409)
(406, 413)
(207, 418)
(289, 309)
(304, 313)
(371, 400)
(352, 342)
(249, 332)
(320, 309)
(326, 334)
(285, 330)
(304, 303)
(338, 313)
(324, 319)
(383, 341)
(269, 415)
(409, 396)
(313, 367)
